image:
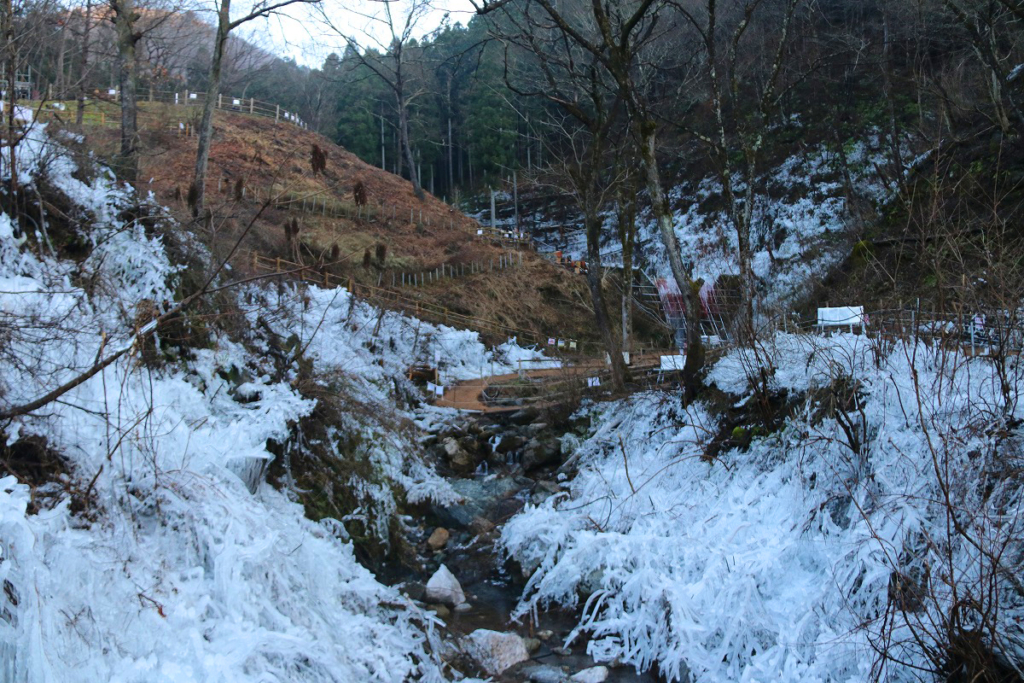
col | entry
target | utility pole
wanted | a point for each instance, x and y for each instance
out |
(515, 197)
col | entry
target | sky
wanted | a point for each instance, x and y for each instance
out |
(302, 34)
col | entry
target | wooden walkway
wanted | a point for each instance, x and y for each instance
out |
(471, 395)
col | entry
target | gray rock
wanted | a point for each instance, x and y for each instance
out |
(480, 498)
(457, 457)
(495, 651)
(544, 673)
(536, 428)
(444, 588)
(524, 417)
(595, 674)
(540, 452)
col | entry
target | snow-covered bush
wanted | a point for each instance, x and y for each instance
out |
(159, 553)
(810, 556)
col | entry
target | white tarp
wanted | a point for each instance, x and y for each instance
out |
(841, 316)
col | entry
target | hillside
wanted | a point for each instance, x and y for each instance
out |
(275, 158)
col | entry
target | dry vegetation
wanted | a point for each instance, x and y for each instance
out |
(275, 158)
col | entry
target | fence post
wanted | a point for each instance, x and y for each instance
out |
(220, 100)
(277, 114)
(327, 282)
(252, 103)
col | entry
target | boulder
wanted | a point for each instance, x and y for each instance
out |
(479, 499)
(540, 452)
(509, 443)
(470, 444)
(495, 651)
(458, 459)
(438, 539)
(444, 588)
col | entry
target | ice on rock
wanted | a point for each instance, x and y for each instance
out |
(444, 588)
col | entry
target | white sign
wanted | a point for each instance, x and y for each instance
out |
(111, 92)
(551, 341)
(593, 381)
(439, 390)
(480, 232)
(669, 363)
(572, 345)
(192, 95)
(236, 102)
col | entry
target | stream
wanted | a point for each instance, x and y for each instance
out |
(497, 463)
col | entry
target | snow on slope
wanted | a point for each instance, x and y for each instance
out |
(172, 570)
(798, 229)
(793, 561)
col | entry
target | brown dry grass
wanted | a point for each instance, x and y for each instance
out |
(269, 157)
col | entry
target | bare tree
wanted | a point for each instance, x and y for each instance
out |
(617, 39)
(225, 25)
(390, 61)
(726, 43)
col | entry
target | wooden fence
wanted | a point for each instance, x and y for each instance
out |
(389, 298)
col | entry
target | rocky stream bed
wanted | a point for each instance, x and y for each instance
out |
(497, 464)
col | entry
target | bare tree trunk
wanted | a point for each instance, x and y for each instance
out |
(11, 66)
(84, 65)
(601, 317)
(61, 82)
(213, 89)
(627, 229)
(647, 133)
(403, 135)
(124, 25)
